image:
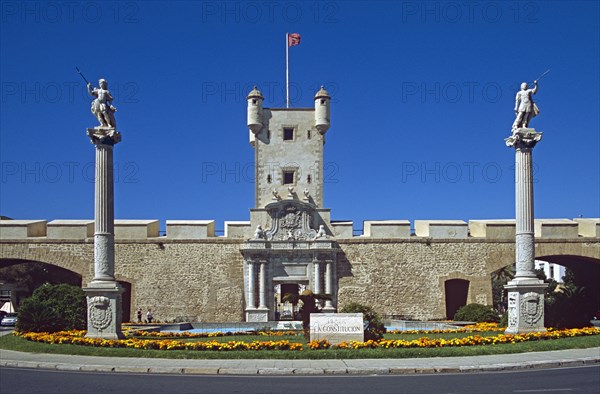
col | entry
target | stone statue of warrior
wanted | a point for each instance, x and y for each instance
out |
(102, 106)
(525, 108)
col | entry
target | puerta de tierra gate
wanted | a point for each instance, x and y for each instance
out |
(291, 244)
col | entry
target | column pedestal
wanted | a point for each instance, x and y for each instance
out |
(104, 310)
(525, 306)
(257, 315)
(104, 292)
(525, 291)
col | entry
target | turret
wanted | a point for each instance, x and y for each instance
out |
(255, 100)
(322, 110)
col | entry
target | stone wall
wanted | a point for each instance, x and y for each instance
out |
(202, 279)
(407, 277)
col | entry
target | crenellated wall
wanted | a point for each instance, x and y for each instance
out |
(191, 274)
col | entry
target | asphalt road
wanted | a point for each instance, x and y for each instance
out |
(563, 380)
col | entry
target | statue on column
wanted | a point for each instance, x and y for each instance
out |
(525, 108)
(102, 106)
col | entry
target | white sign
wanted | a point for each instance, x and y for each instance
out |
(336, 327)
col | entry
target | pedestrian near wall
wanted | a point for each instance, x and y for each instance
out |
(149, 316)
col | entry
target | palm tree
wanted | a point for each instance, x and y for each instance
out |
(499, 279)
(504, 274)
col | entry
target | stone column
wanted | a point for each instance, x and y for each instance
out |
(104, 214)
(525, 291)
(317, 271)
(262, 285)
(250, 304)
(260, 313)
(329, 278)
(525, 242)
(104, 292)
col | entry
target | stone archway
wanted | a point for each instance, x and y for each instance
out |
(585, 269)
(21, 277)
(50, 254)
(284, 310)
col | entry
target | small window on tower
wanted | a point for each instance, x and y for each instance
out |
(288, 177)
(288, 134)
(253, 101)
(308, 134)
(269, 178)
(308, 179)
(322, 101)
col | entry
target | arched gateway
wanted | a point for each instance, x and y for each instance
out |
(290, 255)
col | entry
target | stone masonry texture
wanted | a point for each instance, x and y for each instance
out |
(202, 280)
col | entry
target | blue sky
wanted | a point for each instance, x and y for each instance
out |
(422, 101)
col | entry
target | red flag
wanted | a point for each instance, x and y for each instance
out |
(293, 39)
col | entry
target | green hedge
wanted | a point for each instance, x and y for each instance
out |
(476, 313)
(53, 308)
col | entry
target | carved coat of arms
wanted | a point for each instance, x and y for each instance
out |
(532, 308)
(290, 221)
(99, 312)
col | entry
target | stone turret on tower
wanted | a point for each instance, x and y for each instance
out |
(322, 100)
(255, 101)
(288, 145)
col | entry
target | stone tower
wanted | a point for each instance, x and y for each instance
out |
(288, 145)
(291, 249)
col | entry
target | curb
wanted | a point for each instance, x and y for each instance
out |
(586, 361)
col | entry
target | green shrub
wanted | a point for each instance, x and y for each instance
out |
(36, 316)
(374, 329)
(476, 313)
(53, 308)
(568, 308)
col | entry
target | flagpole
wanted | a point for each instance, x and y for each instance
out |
(287, 71)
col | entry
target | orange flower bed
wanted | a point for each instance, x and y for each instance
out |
(478, 327)
(78, 338)
(186, 334)
(472, 340)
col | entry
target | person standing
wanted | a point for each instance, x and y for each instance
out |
(149, 316)
(139, 315)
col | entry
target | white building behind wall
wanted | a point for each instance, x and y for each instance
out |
(551, 270)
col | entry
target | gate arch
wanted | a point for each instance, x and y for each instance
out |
(65, 260)
(586, 271)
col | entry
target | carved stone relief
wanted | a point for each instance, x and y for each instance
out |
(290, 222)
(532, 308)
(512, 309)
(100, 312)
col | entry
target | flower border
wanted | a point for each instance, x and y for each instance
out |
(78, 338)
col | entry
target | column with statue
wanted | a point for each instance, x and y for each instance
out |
(525, 291)
(104, 292)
